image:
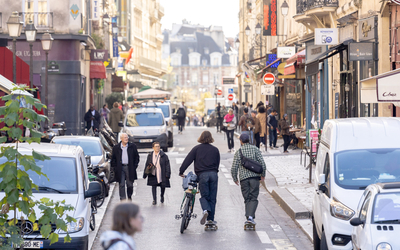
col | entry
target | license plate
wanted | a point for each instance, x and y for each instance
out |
(145, 140)
(32, 244)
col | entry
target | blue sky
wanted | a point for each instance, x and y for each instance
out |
(206, 12)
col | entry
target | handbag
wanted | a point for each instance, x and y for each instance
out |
(150, 168)
(250, 164)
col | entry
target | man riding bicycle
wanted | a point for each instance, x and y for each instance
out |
(206, 163)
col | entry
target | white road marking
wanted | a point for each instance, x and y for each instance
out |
(281, 244)
(181, 149)
(264, 238)
(224, 170)
(231, 182)
(228, 176)
(179, 160)
(276, 228)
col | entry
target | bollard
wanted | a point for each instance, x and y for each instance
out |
(310, 166)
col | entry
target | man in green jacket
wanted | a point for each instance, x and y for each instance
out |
(249, 180)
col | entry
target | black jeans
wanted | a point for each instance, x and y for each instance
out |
(229, 136)
(219, 124)
(286, 139)
(154, 191)
(181, 124)
(273, 137)
(250, 189)
(257, 138)
(129, 184)
(208, 185)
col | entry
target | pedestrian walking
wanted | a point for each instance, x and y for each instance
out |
(127, 220)
(219, 111)
(272, 124)
(262, 117)
(284, 130)
(92, 118)
(181, 115)
(235, 112)
(257, 128)
(206, 159)
(116, 116)
(161, 172)
(104, 112)
(247, 124)
(241, 109)
(249, 180)
(125, 159)
(230, 124)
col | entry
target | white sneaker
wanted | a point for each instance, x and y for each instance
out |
(204, 219)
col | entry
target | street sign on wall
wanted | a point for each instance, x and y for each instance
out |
(326, 36)
(361, 51)
(267, 90)
(230, 91)
(269, 78)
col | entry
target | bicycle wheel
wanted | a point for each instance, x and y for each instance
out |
(99, 200)
(92, 221)
(186, 214)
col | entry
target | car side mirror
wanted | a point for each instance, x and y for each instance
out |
(88, 160)
(356, 222)
(120, 124)
(321, 179)
(94, 189)
(322, 188)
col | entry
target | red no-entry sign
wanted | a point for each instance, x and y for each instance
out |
(230, 97)
(269, 78)
(219, 92)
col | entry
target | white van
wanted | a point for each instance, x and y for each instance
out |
(353, 154)
(68, 180)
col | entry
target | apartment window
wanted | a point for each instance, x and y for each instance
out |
(176, 82)
(205, 78)
(37, 11)
(215, 59)
(194, 79)
(216, 78)
(204, 62)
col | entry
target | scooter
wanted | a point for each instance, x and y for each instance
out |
(96, 175)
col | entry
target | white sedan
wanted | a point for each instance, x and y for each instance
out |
(377, 222)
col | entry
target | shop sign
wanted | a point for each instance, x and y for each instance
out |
(122, 74)
(336, 105)
(228, 80)
(388, 88)
(95, 10)
(286, 52)
(361, 51)
(268, 90)
(367, 28)
(313, 51)
(326, 36)
(271, 58)
(99, 55)
(270, 18)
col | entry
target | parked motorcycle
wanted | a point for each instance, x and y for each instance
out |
(96, 175)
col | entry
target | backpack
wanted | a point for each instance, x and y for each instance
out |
(249, 122)
(113, 242)
(181, 113)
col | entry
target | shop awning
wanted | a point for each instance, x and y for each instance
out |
(331, 52)
(298, 59)
(381, 88)
(97, 70)
(6, 86)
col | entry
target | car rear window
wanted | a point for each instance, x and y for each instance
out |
(387, 208)
(144, 119)
(90, 147)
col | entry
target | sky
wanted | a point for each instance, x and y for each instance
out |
(206, 12)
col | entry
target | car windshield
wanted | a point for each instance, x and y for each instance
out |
(90, 147)
(60, 172)
(387, 208)
(164, 109)
(144, 119)
(356, 169)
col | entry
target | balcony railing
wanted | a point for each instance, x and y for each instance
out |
(42, 20)
(304, 5)
(149, 63)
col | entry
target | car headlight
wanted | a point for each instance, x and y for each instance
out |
(340, 211)
(162, 130)
(75, 226)
(384, 246)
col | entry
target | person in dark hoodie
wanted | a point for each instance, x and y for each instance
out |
(206, 159)
(127, 220)
(92, 118)
(181, 115)
(115, 117)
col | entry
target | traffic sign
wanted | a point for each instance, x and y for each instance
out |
(219, 92)
(230, 91)
(230, 97)
(269, 78)
(268, 90)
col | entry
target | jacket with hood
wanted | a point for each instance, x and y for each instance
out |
(126, 242)
(115, 117)
(96, 120)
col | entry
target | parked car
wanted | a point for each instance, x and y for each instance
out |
(165, 107)
(353, 154)
(91, 146)
(376, 225)
(145, 126)
(67, 179)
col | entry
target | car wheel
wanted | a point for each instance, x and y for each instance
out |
(165, 149)
(171, 141)
(316, 239)
(324, 244)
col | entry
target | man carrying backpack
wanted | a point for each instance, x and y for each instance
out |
(249, 180)
(181, 115)
(247, 124)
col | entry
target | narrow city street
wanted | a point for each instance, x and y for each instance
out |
(274, 230)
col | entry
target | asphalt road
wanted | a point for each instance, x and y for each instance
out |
(274, 230)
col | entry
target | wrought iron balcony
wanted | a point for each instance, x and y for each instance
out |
(304, 5)
(43, 20)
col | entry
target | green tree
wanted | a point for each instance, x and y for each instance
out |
(15, 182)
(114, 97)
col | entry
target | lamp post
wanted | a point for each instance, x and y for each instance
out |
(47, 42)
(284, 11)
(30, 32)
(14, 25)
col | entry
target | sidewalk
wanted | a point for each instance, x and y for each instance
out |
(288, 183)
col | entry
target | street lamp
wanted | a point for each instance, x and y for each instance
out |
(237, 42)
(247, 30)
(106, 18)
(47, 42)
(30, 32)
(284, 8)
(14, 25)
(258, 29)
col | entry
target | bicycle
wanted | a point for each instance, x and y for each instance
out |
(189, 197)
(93, 211)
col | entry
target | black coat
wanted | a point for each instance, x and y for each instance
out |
(133, 161)
(96, 121)
(165, 171)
